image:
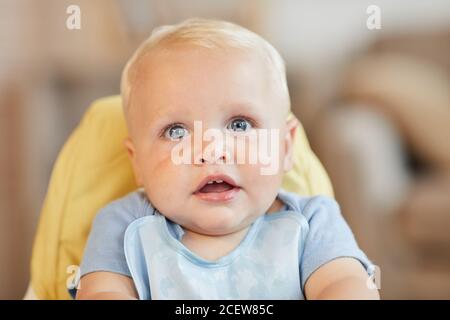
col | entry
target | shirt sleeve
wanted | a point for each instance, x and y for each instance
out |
(104, 249)
(329, 237)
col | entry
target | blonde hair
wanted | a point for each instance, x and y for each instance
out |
(204, 33)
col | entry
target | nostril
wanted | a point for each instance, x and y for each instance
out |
(221, 158)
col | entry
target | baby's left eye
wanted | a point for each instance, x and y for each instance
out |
(239, 125)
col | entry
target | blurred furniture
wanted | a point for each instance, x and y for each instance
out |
(386, 146)
(48, 74)
(14, 222)
(92, 170)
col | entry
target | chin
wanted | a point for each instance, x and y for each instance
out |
(219, 224)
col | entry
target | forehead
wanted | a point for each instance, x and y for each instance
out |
(187, 79)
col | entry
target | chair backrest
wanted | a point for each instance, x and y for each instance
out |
(93, 169)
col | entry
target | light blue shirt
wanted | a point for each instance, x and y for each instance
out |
(273, 261)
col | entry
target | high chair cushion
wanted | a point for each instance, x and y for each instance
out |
(93, 169)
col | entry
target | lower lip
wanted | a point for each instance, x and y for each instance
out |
(219, 196)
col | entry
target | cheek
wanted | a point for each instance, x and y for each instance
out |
(154, 158)
(162, 178)
(261, 190)
(262, 178)
(271, 153)
(259, 183)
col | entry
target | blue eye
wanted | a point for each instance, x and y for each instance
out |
(239, 125)
(175, 132)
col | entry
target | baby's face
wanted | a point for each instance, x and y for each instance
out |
(233, 93)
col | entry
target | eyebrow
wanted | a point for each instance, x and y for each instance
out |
(230, 109)
(235, 106)
(248, 109)
(249, 106)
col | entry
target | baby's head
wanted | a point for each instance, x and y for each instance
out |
(208, 90)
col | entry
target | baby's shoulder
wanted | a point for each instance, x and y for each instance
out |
(128, 208)
(309, 206)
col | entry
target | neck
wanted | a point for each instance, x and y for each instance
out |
(276, 206)
(211, 247)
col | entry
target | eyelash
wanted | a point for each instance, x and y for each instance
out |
(253, 123)
(163, 131)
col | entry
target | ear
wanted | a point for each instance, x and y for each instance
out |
(133, 159)
(291, 130)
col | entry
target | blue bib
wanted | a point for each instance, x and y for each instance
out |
(265, 265)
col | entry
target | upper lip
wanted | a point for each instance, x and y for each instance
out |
(215, 177)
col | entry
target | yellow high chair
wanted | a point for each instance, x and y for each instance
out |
(93, 169)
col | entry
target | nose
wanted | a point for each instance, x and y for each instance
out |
(212, 153)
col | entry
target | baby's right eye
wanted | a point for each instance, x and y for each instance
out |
(175, 132)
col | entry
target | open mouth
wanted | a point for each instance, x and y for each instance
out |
(217, 188)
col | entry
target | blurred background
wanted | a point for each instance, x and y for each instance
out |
(375, 105)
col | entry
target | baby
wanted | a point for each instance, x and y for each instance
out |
(200, 98)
